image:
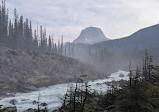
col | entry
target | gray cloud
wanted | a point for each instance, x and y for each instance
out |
(117, 18)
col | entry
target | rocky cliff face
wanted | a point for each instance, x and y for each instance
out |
(91, 35)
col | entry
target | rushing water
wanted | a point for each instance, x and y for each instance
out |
(53, 94)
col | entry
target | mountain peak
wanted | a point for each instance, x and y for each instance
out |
(91, 35)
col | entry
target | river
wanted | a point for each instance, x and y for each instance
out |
(52, 95)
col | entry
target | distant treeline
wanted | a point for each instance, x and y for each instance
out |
(18, 34)
(139, 94)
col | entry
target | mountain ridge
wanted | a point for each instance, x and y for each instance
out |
(90, 35)
(146, 36)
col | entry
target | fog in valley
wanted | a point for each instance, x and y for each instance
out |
(41, 71)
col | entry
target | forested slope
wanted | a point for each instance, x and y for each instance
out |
(22, 71)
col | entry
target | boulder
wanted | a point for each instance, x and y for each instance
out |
(30, 110)
(13, 102)
(44, 104)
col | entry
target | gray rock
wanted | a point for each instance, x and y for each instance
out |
(34, 102)
(13, 52)
(30, 110)
(11, 109)
(121, 75)
(98, 109)
(91, 35)
(13, 102)
(44, 104)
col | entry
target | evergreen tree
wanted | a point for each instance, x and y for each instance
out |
(59, 47)
(53, 44)
(15, 38)
(1, 25)
(35, 42)
(11, 34)
(50, 44)
(55, 50)
(21, 33)
(61, 53)
(30, 37)
(26, 34)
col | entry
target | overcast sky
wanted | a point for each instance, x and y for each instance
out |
(116, 18)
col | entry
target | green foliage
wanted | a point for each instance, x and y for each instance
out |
(78, 98)
(106, 100)
(140, 94)
(5, 109)
(84, 105)
(2, 109)
(134, 99)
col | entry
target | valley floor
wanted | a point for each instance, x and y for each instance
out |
(24, 71)
(53, 95)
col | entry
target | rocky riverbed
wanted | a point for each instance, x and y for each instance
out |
(53, 95)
